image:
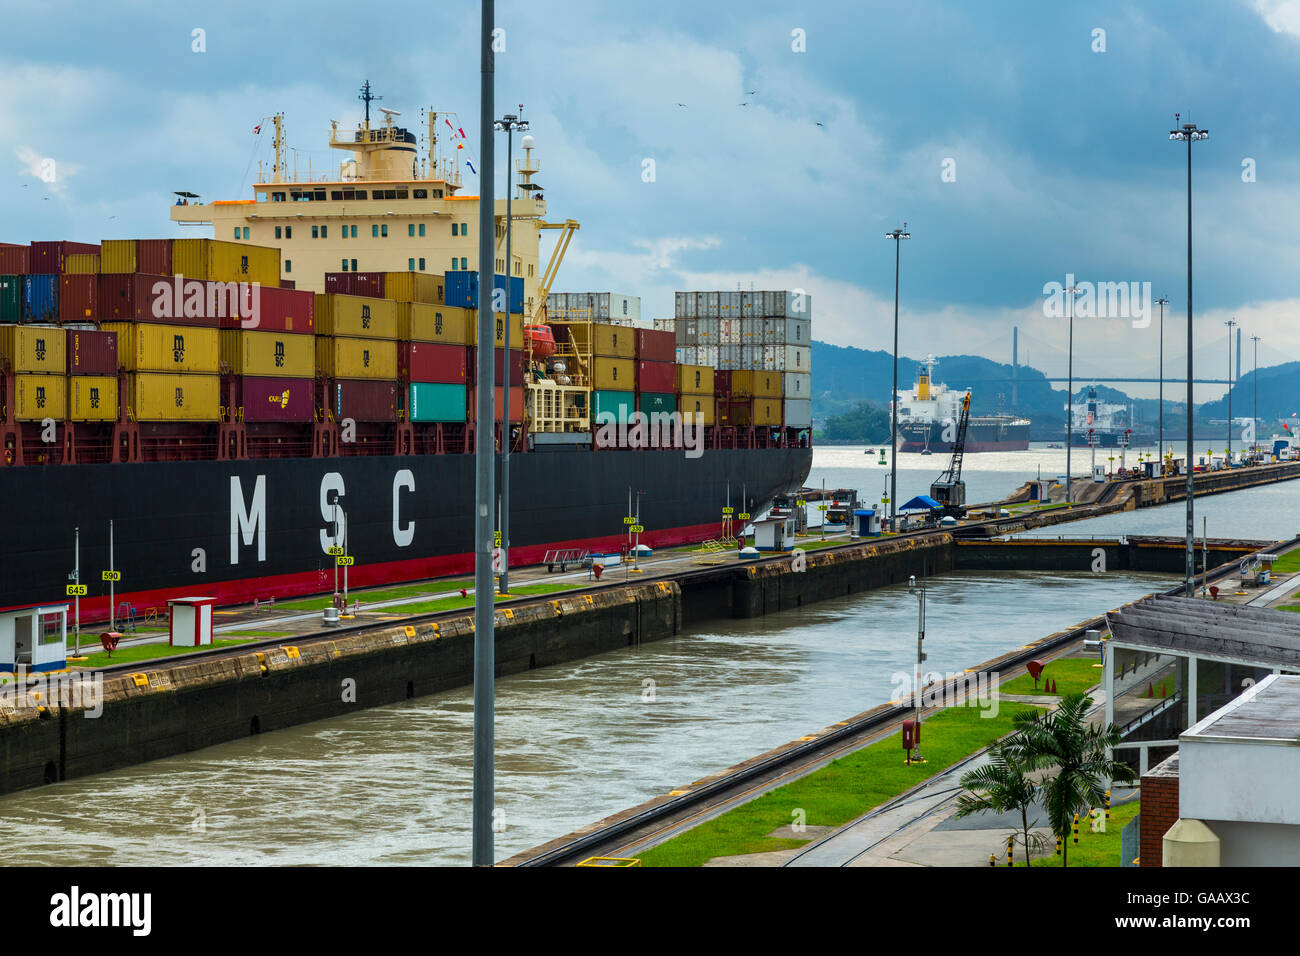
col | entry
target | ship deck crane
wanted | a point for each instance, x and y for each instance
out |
(568, 228)
(950, 490)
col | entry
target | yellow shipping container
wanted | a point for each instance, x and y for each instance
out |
(117, 255)
(165, 348)
(699, 406)
(767, 411)
(165, 397)
(33, 348)
(273, 354)
(695, 380)
(356, 316)
(221, 261)
(613, 373)
(92, 398)
(419, 322)
(499, 327)
(615, 341)
(37, 397)
(81, 263)
(356, 358)
(756, 383)
(413, 287)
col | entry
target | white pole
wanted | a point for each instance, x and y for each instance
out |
(112, 601)
(76, 599)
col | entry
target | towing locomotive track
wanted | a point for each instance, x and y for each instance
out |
(657, 819)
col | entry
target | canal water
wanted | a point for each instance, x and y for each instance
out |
(1259, 513)
(576, 742)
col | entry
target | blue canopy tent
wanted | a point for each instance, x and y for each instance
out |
(921, 503)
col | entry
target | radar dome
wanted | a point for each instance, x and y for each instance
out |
(527, 142)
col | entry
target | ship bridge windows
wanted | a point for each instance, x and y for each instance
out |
(307, 195)
(388, 194)
(278, 197)
(419, 194)
(347, 194)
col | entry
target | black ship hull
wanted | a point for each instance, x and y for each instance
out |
(239, 531)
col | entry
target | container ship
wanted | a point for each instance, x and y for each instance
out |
(928, 414)
(232, 416)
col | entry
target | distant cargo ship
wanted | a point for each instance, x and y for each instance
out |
(928, 415)
(1104, 424)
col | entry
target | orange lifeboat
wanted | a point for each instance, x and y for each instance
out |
(540, 340)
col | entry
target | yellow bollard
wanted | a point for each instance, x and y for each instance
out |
(1076, 829)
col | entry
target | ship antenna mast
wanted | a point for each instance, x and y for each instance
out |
(367, 97)
(277, 174)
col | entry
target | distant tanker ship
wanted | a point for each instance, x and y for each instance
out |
(928, 414)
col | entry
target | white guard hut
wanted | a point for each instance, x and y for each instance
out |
(774, 533)
(866, 523)
(191, 621)
(34, 637)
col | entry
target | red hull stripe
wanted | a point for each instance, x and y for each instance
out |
(283, 586)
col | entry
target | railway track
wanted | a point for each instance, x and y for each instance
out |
(660, 820)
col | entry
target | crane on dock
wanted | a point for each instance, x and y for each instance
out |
(950, 490)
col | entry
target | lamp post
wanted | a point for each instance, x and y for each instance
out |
(1162, 302)
(1231, 324)
(484, 783)
(898, 235)
(1070, 293)
(1189, 133)
(510, 122)
(1254, 412)
(920, 660)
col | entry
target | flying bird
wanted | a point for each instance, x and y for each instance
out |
(752, 93)
(822, 125)
(742, 104)
(682, 105)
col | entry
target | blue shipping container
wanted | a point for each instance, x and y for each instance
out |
(437, 403)
(41, 298)
(461, 290)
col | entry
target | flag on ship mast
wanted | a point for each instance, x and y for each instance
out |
(471, 167)
(257, 129)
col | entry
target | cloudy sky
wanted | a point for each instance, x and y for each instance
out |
(1021, 142)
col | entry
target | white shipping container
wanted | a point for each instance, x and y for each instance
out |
(797, 385)
(686, 355)
(707, 303)
(706, 355)
(664, 325)
(798, 358)
(729, 357)
(794, 332)
(798, 413)
(729, 332)
(791, 305)
(773, 329)
(751, 331)
(751, 305)
(729, 305)
(707, 331)
(684, 305)
(751, 356)
(768, 304)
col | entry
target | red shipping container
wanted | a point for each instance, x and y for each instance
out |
(152, 298)
(363, 401)
(47, 257)
(278, 310)
(516, 366)
(656, 377)
(721, 383)
(516, 404)
(78, 295)
(153, 256)
(355, 283)
(655, 345)
(91, 352)
(15, 260)
(275, 399)
(426, 362)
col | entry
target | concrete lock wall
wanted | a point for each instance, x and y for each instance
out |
(1029, 554)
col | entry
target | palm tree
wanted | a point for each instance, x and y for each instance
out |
(1000, 786)
(1063, 739)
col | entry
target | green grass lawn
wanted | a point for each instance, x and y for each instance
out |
(372, 597)
(1072, 674)
(1093, 849)
(1288, 607)
(144, 652)
(844, 789)
(1288, 563)
(454, 603)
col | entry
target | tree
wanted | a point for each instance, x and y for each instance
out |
(1001, 786)
(865, 422)
(1063, 739)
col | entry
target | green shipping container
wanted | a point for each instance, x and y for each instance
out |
(652, 402)
(607, 405)
(437, 403)
(11, 298)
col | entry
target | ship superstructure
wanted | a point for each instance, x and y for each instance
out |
(1104, 424)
